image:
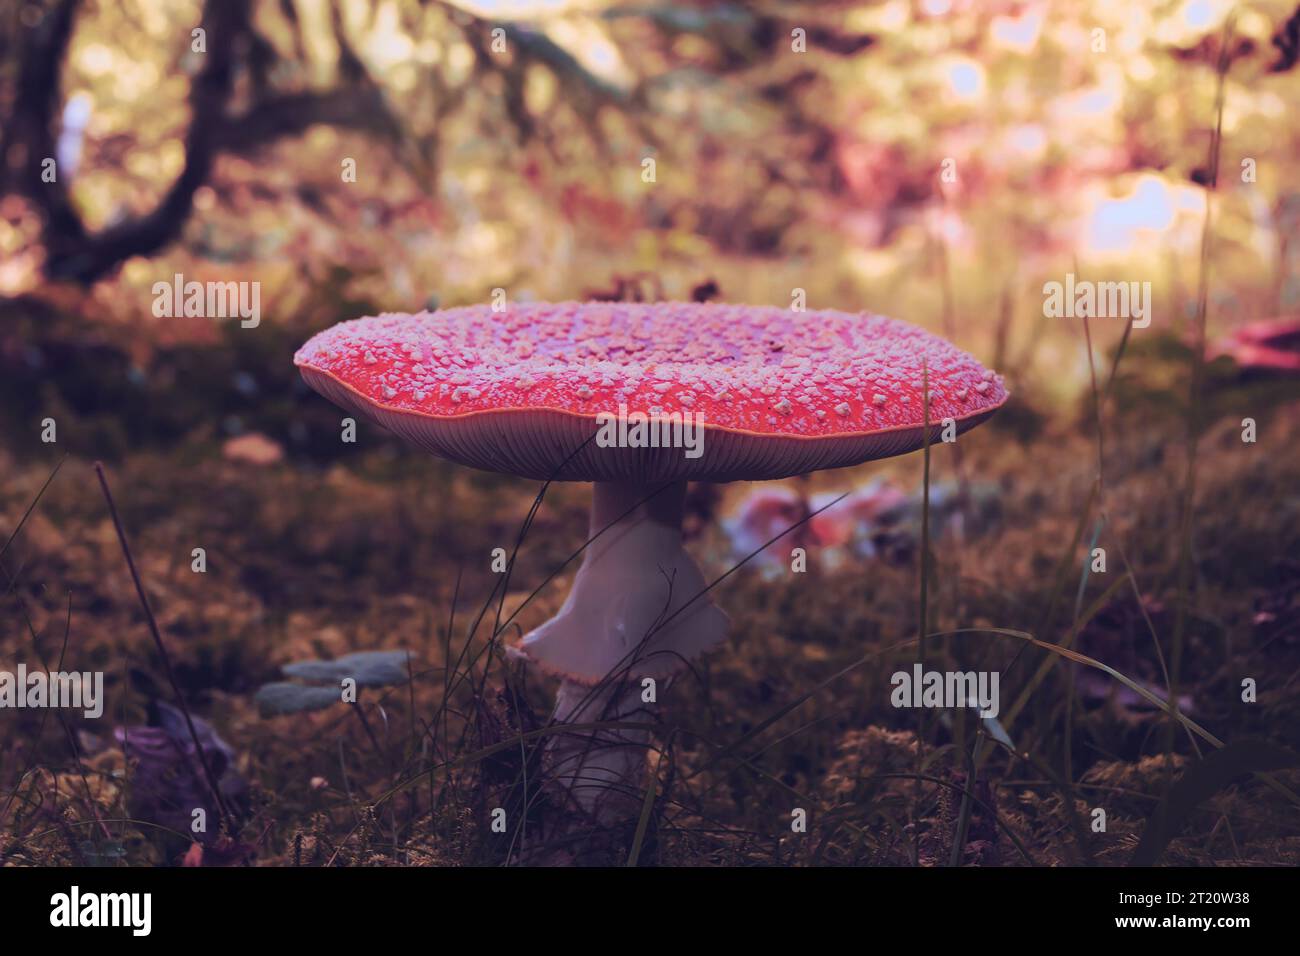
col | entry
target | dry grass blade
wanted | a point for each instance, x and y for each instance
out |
(647, 810)
(200, 752)
(1198, 370)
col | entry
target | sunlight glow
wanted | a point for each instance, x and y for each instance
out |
(1019, 33)
(966, 79)
(1199, 14)
(1130, 222)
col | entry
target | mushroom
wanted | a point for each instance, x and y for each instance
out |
(575, 392)
(764, 513)
(1262, 347)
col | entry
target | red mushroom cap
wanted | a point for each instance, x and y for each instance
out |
(519, 391)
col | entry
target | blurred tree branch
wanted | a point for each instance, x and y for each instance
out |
(250, 92)
(73, 252)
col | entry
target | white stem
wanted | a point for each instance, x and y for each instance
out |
(637, 610)
(600, 771)
(637, 607)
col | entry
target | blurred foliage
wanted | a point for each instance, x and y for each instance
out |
(522, 168)
(936, 160)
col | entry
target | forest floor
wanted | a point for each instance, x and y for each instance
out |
(314, 549)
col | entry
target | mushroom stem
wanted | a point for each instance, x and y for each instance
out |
(599, 772)
(631, 502)
(637, 613)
